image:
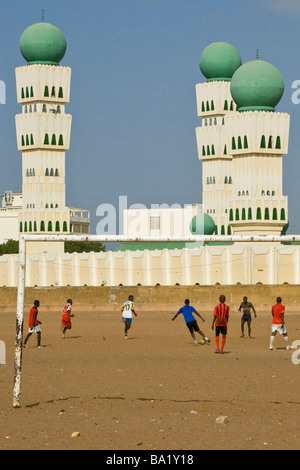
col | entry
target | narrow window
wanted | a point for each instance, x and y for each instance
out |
(267, 214)
(258, 213)
(278, 143)
(275, 215)
(282, 214)
(46, 139)
(46, 91)
(60, 92)
(263, 142)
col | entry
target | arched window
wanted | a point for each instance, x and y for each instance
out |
(226, 105)
(233, 145)
(25, 227)
(47, 172)
(56, 172)
(237, 214)
(231, 215)
(249, 213)
(282, 214)
(61, 140)
(60, 92)
(51, 172)
(34, 226)
(44, 109)
(42, 226)
(21, 227)
(245, 142)
(229, 232)
(49, 226)
(46, 91)
(263, 142)
(46, 139)
(267, 214)
(278, 143)
(244, 214)
(65, 227)
(53, 91)
(223, 230)
(258, 213)
(57, 227)
(270, 143)
(239, 143)
(53, 140)
(275, 215)
(30, 226)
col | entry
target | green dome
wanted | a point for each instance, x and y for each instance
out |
(219, 61)
(43, 43)
(202, 224)
(257, 86)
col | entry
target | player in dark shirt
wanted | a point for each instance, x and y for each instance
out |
(246, 307)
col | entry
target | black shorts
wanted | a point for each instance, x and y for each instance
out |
(222, 330)
(193, 326)
(246, 317)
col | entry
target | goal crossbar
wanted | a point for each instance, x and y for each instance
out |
(108, 239)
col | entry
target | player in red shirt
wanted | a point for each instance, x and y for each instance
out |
(34, 324)
(66, 318)
(278, 324)
(221, 317)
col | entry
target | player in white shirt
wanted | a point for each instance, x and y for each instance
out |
(127, 311)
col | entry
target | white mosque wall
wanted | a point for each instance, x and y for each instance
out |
(209, 265)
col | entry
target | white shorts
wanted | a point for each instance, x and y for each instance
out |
(281, 329)
(35, 329)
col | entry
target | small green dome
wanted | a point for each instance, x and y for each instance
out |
(202, 224)
(43, 43)
(257, 86)
(219, 61)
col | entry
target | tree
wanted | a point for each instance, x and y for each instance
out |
(82, 246)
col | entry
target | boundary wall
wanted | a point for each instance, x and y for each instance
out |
(152, 299)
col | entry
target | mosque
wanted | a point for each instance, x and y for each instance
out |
(241, 142)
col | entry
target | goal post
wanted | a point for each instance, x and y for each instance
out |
(106, 239)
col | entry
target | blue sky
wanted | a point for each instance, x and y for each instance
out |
(135, 65)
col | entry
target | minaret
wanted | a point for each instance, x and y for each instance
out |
(218, 62)
(43, 129)
(258, 138)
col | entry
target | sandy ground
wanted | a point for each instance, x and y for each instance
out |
(155, 391)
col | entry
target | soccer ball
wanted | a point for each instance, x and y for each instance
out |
(202, 341)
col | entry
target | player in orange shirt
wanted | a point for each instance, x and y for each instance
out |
(66, 318)
(34, 324)
(221, 317)
(278, 324)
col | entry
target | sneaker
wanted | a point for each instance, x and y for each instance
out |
(272, 348)
(217, 351)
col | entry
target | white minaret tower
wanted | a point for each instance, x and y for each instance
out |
(241, 143)
(258, 137)
(218, 62)
(43, 130)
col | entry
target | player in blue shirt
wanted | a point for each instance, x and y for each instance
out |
(187, 312)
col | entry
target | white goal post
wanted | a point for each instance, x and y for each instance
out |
(105, 239)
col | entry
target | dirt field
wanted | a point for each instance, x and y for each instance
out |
(154, 391)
